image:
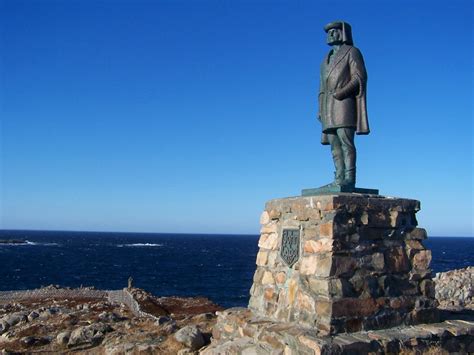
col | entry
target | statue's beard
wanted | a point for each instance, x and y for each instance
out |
(333, 41)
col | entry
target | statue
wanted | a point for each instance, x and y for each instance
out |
(130, 283)
(342, 103)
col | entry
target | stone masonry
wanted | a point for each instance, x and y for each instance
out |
(362, 264)
(342, 274)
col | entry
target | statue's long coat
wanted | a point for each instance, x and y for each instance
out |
(350, 111)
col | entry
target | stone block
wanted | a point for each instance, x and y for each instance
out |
(262, 258)
(321, 245)
(264, 218)
(269, 228)
(326, 230)
(339, 288)
(354, 307)
(417, 234)
(320, 287)
(269, 293)
(396, 259)
(371, 233)
(310, 233)
(421, 260)
(305, 302)
(343, 266)
(280, 277)
(274, 214)
(308, 265)
(324, 264)
(314, 345)
(380, 219)
(268, 241)
(427, 315)
(323, 308)
(257, 277)
(427, 288)
(292, 289)
(358, 280)
(267, 278)
(272, 259)
(378, 261)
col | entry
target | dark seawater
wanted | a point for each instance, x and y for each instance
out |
(219, 267)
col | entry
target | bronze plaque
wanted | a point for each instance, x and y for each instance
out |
(290, 246)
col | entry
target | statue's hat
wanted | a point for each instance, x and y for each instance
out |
(344, 27)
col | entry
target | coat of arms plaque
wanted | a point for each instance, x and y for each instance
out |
(290, 246)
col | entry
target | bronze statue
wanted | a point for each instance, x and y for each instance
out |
(342, 103)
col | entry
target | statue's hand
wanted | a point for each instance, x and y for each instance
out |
(338, 95)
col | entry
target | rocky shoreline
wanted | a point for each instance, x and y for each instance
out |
(85, 320)
(454, 289)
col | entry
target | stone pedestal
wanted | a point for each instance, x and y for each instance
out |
(343, 263)
(341, 274)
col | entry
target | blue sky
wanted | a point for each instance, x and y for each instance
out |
(187, 116)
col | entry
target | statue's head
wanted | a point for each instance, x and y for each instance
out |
(339, 32)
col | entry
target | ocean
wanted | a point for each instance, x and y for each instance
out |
(219, 267)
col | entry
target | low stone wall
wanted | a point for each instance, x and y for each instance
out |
(239, 332)
(51, 292)
(125, 296)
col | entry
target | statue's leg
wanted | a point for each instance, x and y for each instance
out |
(346, 137)
(337, 157)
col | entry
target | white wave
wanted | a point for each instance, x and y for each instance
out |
(45, 244)
(27, 242)
(140, 245)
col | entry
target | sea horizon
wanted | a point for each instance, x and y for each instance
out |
(173, 233)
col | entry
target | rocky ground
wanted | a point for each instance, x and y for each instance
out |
(170, 325)
(161, 325)
(455, 289)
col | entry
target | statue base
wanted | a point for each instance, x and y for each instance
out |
(340, 274)
(329, 190)
(343, 263)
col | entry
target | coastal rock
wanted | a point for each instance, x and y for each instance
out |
(455, 288)
(169, 328)
(88, 335)
(190, 336)
(57, 320)
(33, 315)
(35, 341)
(63, 338)
(4, 326)
(131, 348)
(15, 318)
(109, 317)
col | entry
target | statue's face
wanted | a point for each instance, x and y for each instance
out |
(334, 36)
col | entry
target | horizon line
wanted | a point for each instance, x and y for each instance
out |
(176, 233)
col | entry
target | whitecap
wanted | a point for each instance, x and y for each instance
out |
(27, 242)
(140, 245)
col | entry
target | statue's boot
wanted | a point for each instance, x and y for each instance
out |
(349, 178)
(338, 179)
(338, 159)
